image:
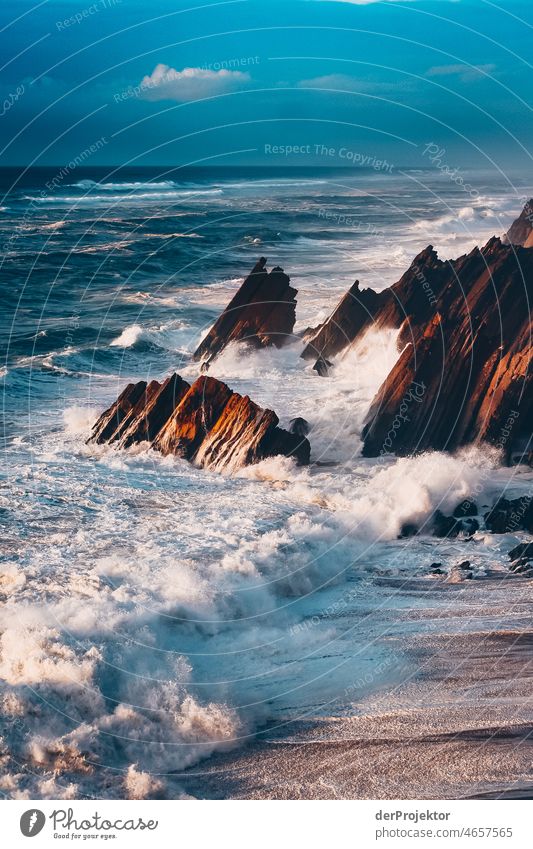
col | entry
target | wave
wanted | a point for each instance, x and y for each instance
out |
(87, 185)
(129, 336)
(132, 198)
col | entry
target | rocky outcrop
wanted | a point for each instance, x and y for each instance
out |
(521, 230)
(509, 516)
(356, 310)
(409, 303)
(465, 374)
(205, 423)
(262, 313)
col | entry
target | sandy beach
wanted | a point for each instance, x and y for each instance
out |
(458, 725)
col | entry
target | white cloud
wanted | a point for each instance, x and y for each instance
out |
(330, 81)
(466, 73)
(165, 83)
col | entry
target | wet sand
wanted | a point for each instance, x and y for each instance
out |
(458, 725)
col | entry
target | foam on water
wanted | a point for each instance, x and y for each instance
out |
(154, 613)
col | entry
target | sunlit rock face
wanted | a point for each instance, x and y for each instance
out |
(206, 423)
(262, 313)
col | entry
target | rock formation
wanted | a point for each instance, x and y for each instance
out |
(521, 230)
(262, 313)
(464, 374)
(205, 423)
(355, 311)
(409, 302)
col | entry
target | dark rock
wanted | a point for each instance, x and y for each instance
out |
(465, 508)
(470, 526)
(322, 367)
(521, 230)
(446, 526)
(523, 549)
(465, 566)
(408, 530)
(262, 313)
(299, 426)
(436, 569)
(194, 418)
(522, 567)
(510, 516)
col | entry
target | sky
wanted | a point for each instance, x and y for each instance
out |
(264, 82)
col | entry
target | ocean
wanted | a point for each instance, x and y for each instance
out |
(153, 613)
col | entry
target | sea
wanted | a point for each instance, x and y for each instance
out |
(152, 613)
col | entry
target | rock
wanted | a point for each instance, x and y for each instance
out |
(522, 567)
(408, 530)
(521, 230)
(205, 423)
(466, 508)
(470, 526)
(262, 313)
(355, 312)
(522, 550)
(457, 575)
(108, 427)
(436, 569)
(322, 367)
(409, 302)
(510, 516)
(464, 374)
(450, 526)
(446, 526)
(299, 426)
(152, 411)
(465, 566)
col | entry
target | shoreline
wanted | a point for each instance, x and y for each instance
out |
(460, 726)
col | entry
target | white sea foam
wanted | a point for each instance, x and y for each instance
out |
(154, 613)
(128, 337)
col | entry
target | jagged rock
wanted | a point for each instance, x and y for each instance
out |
(521, 230)
(408, 303)
(464, 374)
(108, 427)
(510, 516)
(262, 313)
(299, 426)
(218, 428)
(152, 411)
(355, 311)
(205, 423)
(139, 412)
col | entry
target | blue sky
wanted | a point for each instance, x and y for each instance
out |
(242, 82)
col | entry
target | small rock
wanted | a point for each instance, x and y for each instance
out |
(523, 549)
(322, 366)
(408, 530)
(299, 426)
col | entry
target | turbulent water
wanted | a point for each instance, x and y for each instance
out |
(154, 613)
